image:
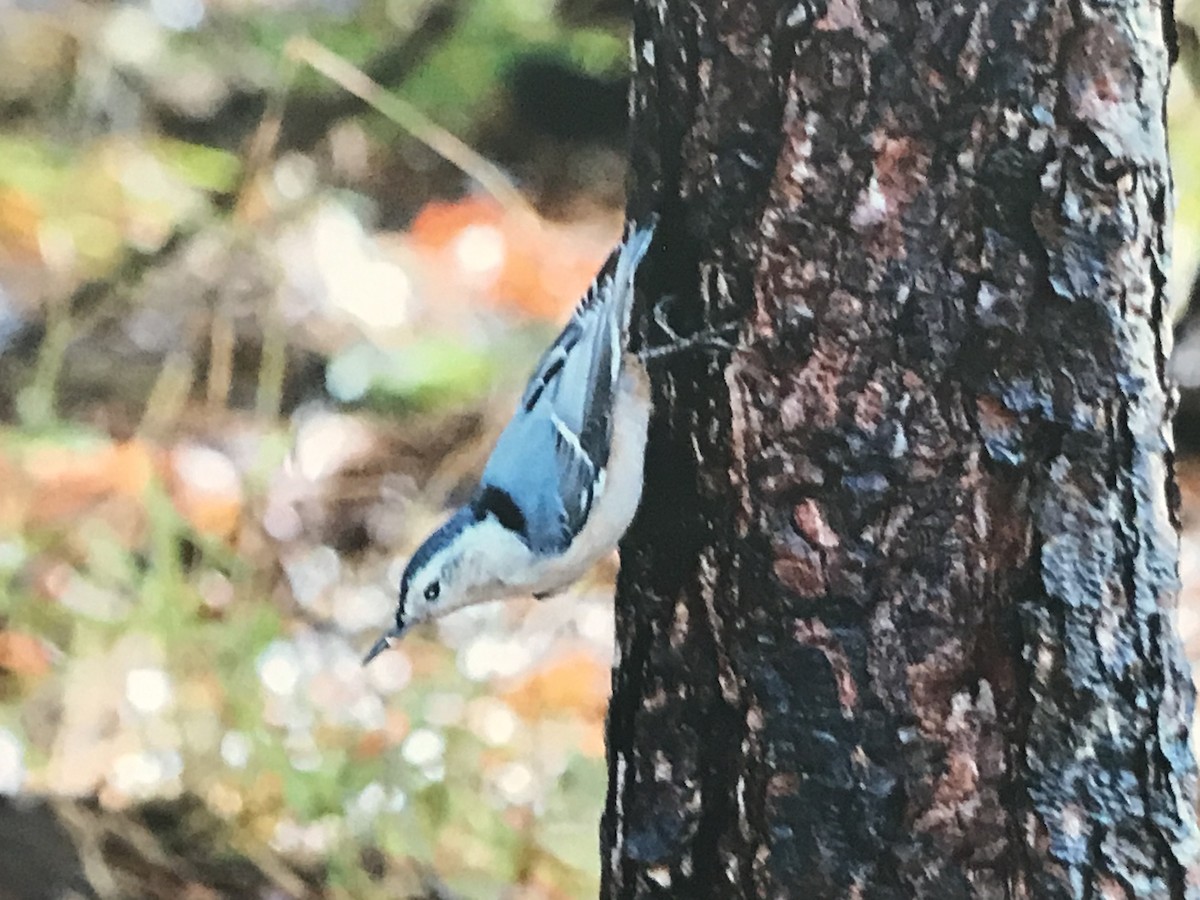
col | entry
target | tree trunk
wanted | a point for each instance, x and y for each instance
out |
(895, 619)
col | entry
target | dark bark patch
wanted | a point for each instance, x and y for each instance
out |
(802, 573)
(813, 633)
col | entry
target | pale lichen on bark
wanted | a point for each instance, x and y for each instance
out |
(895, 617)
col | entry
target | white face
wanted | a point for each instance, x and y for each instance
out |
(427, 589)
(474, 566)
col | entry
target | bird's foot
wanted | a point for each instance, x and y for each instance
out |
(710, 340)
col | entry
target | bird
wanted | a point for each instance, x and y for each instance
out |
(564, 480)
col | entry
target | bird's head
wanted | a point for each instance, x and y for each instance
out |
(459, 564)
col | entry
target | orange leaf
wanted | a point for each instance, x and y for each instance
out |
(23, 654)
(370, 745)
(577, 682)
(537, 269)
(206, 489)
(20, 221)
(54, 485)
(63, 483)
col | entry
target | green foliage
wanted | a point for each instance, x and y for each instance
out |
(458, 84)
(204, 168)
(431, 372)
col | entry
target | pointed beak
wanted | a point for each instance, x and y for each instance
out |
(382, 644)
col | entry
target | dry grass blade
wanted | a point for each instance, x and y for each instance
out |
(412, 120)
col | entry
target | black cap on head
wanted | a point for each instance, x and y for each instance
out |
(433, 545)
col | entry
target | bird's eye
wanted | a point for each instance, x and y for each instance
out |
(432, 590)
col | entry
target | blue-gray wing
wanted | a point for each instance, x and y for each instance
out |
(548, 465)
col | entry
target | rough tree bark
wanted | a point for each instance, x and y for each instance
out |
(895, 619)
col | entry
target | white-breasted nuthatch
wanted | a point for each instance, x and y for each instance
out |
(565, 478)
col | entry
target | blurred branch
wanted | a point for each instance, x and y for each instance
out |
(264, 143)
(307, 116)
(222, 341)
(169, 394)
(272, 367)
(35, 403)
(412, 120)
(70, 318)
(161, 847)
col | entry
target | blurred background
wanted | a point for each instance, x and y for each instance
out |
(256, 333)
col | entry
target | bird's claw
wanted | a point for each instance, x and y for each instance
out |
(711, 340)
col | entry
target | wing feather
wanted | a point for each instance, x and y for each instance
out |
(550, 459)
